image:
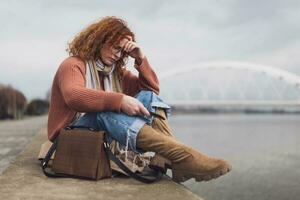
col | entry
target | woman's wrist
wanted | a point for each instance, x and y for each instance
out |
(139, 61)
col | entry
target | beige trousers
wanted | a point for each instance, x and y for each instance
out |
(161, 125)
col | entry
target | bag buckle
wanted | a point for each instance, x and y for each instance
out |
(106, 145)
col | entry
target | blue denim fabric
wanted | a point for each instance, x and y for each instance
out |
(122, 127)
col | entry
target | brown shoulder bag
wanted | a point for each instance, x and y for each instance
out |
(81, 152)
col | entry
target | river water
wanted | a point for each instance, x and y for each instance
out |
(264, 151)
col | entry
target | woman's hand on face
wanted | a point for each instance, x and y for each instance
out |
(134, 51)
(132, 106)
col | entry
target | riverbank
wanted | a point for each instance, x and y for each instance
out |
(263, 149)
(24, 179)
(15, 135)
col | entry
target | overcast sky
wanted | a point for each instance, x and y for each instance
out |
(173, 34)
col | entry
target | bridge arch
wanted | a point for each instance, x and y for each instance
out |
(276, 73)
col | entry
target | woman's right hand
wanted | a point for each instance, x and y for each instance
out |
(132, 106)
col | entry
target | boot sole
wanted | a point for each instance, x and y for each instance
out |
(182, 176)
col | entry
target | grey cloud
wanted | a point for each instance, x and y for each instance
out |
(172, 33)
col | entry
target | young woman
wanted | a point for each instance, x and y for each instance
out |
(93, 88)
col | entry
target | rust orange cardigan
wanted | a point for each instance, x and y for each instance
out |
(69, 94)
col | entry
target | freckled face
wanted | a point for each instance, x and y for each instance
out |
(110, 54)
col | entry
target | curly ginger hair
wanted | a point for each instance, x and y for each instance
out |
(109, 30)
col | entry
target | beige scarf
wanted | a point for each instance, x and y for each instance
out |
(110, 78)
(111, 82)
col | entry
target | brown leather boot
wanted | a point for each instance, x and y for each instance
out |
(161, 125)
(186, 162)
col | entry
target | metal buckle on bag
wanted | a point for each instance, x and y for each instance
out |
(106, 145)
(91, 129)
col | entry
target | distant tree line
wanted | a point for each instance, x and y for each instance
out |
(14, 105)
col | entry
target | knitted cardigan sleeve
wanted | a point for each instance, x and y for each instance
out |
(71, 81)
(146, 80)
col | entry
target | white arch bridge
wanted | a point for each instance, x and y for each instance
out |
(231, 85)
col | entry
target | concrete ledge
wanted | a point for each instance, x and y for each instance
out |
(24, 179)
